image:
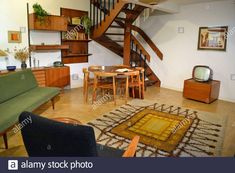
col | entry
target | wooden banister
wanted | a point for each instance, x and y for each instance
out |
(145, 37)
(144, 52)
(148, 40)
(131, 150)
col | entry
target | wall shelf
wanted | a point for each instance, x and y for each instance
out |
(48, 47)
(51, 23)
(64, 40)
(77, 55)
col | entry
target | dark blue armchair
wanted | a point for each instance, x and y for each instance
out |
(48, 138)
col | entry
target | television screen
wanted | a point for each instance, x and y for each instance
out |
(202, 73)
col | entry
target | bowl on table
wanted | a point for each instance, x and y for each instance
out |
(11, 68)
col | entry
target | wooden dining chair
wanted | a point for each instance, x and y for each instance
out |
(132, 81)
(142, 80)
(87, 82)
(100, 82)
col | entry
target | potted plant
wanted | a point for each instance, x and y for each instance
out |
(86, 23)
(22, 55)
(40, 13)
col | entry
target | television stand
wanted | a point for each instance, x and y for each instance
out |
(206, 92)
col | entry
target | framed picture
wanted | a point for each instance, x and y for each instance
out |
(212, 38)
(14, 37)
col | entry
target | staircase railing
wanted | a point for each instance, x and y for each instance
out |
(138, 56)
(100, 9)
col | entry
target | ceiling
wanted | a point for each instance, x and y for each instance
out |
(185, 2)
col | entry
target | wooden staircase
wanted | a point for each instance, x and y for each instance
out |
(112, 25)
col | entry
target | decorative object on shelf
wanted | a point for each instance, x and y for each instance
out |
(14, 37)
(22, 55)
(76, 21)
(58, 64)
(40, 13)
(34, 62)
(69, 21)
(23, 65)
(11, 68)
(86, 23)
(80, 36)
(212, 38)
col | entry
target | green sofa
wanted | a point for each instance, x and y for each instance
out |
(20, 92)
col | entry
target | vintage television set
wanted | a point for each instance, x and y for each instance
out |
(202, 73)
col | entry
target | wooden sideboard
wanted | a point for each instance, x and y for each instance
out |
(201, 91)
(50, 76)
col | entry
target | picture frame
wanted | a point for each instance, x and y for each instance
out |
(213, 38)
(14, 37)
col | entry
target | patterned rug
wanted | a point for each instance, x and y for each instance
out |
(164, 130)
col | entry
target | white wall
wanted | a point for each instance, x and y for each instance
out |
(13, 15)
(180, 50)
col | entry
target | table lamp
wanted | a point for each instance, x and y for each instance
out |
(2, 54)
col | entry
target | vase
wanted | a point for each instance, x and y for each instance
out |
(23, 65)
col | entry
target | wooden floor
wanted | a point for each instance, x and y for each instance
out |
(70, 104)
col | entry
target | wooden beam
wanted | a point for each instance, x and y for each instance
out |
(127, 44)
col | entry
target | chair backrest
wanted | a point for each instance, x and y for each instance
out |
(47, 138)
(121, 65)
(86, 74)
(104, 74)
(95, 67)
(141, 70)
(132, 73)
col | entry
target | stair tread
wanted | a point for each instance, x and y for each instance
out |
(114, 33)
(149, 74)
(130, 11)
(150, 82)
(116, 26)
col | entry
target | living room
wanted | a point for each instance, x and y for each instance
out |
(164, 42)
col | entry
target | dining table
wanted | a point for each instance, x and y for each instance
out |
(119, 70)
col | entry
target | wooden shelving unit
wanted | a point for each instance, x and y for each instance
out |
(78, 46)
(73, 50)
(51, 23)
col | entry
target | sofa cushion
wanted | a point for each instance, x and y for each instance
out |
(16, 83)
(28, 101)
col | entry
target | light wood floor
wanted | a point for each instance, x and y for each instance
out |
(70, 104)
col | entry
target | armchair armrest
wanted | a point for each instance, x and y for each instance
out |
(131, 150)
